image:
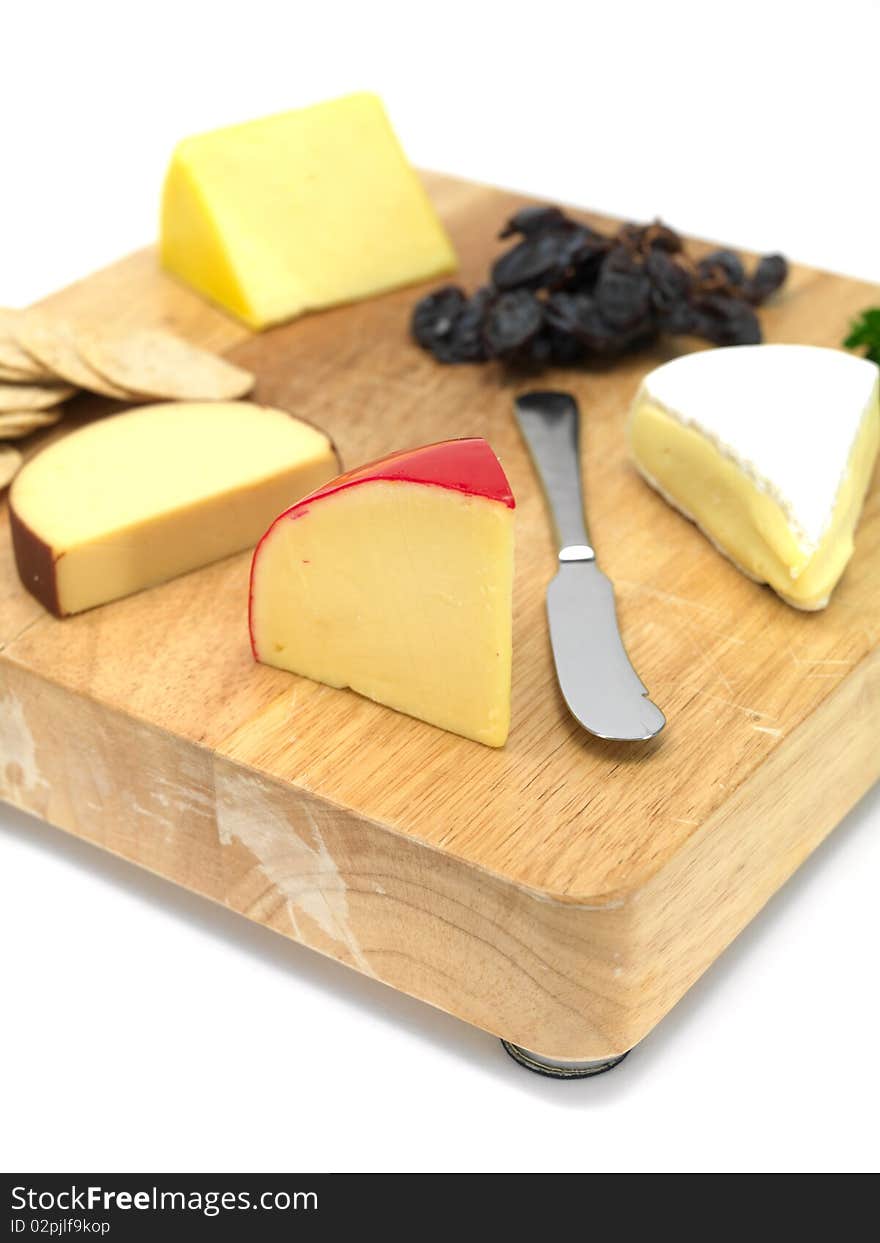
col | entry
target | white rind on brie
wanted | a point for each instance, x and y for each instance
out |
(788, 416)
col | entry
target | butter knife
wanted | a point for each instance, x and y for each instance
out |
(598, 683)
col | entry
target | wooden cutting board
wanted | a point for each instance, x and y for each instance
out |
(563, 892)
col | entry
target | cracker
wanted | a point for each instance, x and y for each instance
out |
(33, 396)
(11, 353)
(17, 423)
(153, 363)
(15, 375)
(51, 341)
(10, 461)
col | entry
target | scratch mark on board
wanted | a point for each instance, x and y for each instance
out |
(303, 872)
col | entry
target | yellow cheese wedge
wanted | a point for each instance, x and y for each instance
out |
(298, 211)
(138, 498)
(770, 450)
(395, 580)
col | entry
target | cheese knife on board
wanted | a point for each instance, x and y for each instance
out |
(599, 685)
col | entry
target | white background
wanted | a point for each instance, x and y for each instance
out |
(145, 1029)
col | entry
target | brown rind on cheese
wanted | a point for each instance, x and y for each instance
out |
(35, 562)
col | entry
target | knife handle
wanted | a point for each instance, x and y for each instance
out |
(550, 424)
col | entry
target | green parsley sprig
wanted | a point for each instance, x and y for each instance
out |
(865, 333)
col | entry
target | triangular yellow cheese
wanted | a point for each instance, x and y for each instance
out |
(299, 211)
(192, 246)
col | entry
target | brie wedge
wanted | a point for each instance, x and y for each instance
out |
(769, 449)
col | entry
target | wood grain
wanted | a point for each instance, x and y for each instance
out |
(562, 892)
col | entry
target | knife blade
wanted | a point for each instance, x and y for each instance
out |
(599, 685)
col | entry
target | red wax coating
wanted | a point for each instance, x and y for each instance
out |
(467, 466)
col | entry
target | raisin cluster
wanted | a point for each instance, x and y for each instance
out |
(565, 292)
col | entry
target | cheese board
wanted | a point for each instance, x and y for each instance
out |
(562, 892)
